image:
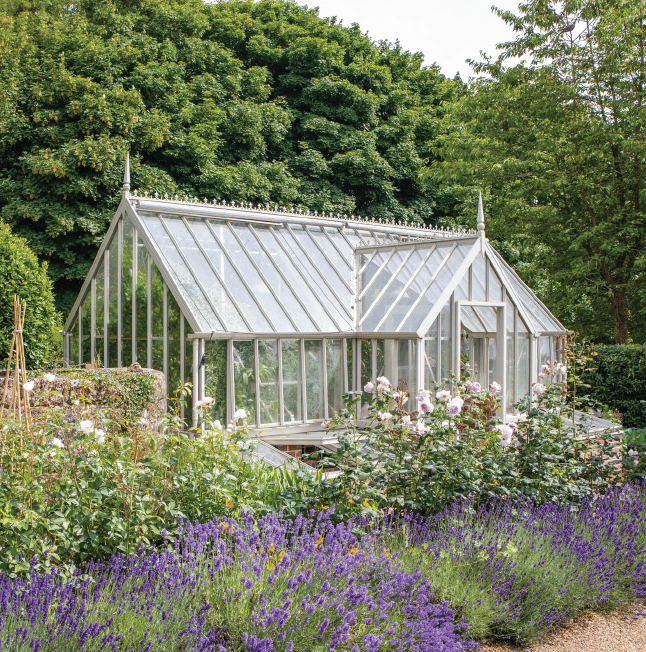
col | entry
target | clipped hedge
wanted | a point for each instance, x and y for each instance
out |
(617, 378)
(22, 274)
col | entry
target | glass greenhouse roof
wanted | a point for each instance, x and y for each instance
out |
(243, 270)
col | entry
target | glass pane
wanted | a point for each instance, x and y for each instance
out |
(366, 371)
(296, 268)
(113, 310)
(142, 303)
(495, 286)
(244, 378)
(478, 279)
(511, 358)
(215, 376)
(74, 344)
(522, 365)
(492, 359)
(157, 325)
(407, 367)
(445, 326)
(100, 310)
(86, 312)
(268, 381)
(248, 304)
(269, 264)
(205, 276)
(386, 303)
(292, 383)
(329, 264)
(174, 342)
(181, 273)
(430, 357)
(431, 281)
(126, 293)
(335, 376)
(314, 378)
(350, 349)
(381, 359)
(188, 371)
(543, 350)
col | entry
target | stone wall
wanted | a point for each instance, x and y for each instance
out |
(93, 394)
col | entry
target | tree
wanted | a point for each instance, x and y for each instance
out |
(237, 100)
(558, 143)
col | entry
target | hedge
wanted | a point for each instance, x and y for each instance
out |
(22, 274)
(617, 379)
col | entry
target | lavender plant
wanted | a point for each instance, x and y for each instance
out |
(510, 569)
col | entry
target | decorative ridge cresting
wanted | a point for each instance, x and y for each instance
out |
(278, 210)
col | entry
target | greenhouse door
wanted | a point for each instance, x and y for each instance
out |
(481, 343)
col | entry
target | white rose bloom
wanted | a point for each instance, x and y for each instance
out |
(74, 383)
(505, 434)
(420, 427)
(495, 387)
(239, 414)
(208, 400)
(476, 387)
(49, 377)
(382, 380)
(458, 400)
(405, 420)
(217, 425)
(423, 395)
(443, 395)
(386, 416)
(57, 442)
(100, 435)
(77, 402)
(369, 387)
(87, 427)
(29, 386)
(199, 404)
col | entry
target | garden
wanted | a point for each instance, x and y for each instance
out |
(436, 529)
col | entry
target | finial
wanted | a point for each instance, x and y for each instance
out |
(126, 176)
(481, 225)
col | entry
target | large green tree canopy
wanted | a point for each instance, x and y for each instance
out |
(558, 144)
(239, 100)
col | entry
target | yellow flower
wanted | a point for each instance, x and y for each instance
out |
(225, 526)
(319, 541)
(270, 565)
(272, 549)
(281, 554)
(366, 503)
(353, 551)
(229, 503)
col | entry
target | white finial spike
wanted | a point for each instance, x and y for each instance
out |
(481, 226)
(126, 176)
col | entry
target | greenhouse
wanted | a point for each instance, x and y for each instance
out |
(279, 313)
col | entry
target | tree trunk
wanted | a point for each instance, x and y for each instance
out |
(619, 315)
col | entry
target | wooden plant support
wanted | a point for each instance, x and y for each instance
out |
(19, 399)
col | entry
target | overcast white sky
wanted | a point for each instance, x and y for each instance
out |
(446, 31)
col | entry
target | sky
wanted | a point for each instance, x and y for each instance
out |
(446, 31)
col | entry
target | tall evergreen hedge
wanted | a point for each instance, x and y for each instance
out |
(618, 379)
(21, 274)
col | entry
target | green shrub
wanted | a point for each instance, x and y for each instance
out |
(22, 274)
(617, 378)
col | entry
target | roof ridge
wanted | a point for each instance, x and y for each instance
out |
(277, 209)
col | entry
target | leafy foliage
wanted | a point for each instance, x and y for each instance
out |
(22, 274)
(618, 379)
(241, 100)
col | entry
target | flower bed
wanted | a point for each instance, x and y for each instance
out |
(504, 568)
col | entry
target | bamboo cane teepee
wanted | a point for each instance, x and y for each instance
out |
(18, 404)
